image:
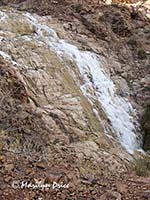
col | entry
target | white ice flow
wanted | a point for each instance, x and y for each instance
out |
(118, 110)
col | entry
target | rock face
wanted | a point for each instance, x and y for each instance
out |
(52, 89)
(93, 87)
(56, 115)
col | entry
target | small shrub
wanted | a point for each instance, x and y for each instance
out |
(77, 7)
(141, 53)
(146, 127)
(142, 166)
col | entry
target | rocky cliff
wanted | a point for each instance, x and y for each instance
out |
(73, 89)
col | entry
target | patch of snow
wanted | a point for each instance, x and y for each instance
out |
(3, 16)
(7, 57)
(4, 55)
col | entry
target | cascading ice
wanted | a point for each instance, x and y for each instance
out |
(96, 86)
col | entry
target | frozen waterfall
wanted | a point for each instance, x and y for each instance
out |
(118, 110)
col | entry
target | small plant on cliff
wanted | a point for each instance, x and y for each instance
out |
(146, 128)
(141, 53)
(142, 166)
(77, 7)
